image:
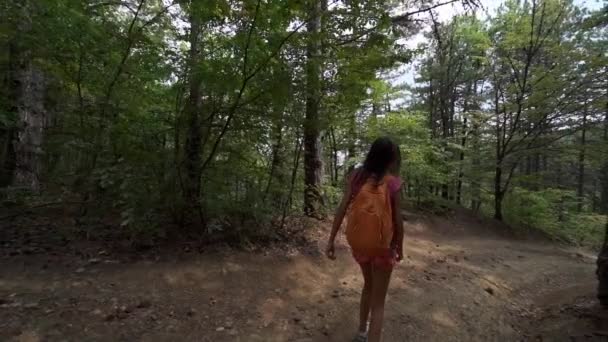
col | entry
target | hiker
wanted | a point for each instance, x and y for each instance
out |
(374, 230)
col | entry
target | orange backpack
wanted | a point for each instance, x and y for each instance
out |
(369, 228)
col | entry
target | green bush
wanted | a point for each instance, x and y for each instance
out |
(585, 229)
(526, 208)
(554, 212)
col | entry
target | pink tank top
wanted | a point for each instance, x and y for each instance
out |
(394, 183)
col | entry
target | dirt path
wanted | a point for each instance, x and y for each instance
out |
(458, 283)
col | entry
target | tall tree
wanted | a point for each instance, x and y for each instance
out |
(600, 20)
(581, 161)
(192, 111)
(27, 97)
(533, 90)
(313, 165)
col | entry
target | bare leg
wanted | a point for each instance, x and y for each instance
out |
(380, 279)
(366, 294)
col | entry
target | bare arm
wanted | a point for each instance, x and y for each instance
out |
(338, 218)
(339, 215)
(397, 243)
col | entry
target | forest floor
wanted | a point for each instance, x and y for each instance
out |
(463, 279)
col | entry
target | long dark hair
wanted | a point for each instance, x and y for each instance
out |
(383, 154)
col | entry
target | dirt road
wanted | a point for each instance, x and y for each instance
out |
(461, 281)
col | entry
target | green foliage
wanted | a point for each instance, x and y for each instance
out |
(554, 212)
(423, 159)
(534, 209)
(585, 230)
(128, 89)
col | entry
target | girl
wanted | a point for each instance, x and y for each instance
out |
(374, 230)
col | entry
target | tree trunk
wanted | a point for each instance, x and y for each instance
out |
(537, 165)
(276, 178)
(7, 156)
(351, 149)
(27, 101)
(334, 157)
(603, 205)
(595, 199)
(193, 144)
(581, 165)
(445, 191)
(604, 172)
(602, 270)
(461, 164)
(475, 184)
(472, 90)
(312, 128)
(431, 103)
(375, 110)
(30, 129)
(445, 135)
(294, 173)
(544, 168)
(602, 259)
(7, 131)
(498, 192)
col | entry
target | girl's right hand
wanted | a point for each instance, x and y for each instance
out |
(399, 252)
(330, 251)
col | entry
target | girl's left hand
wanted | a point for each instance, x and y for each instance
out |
(330, 250)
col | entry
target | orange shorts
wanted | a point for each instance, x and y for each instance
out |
(385, 260)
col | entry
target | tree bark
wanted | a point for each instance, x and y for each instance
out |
(28, 87)
(30, 131)
(431, 103)
(193, 144)
(581, 164)
(276, 177)
(461, 164)
(498, 193)
(351, 148)
(313, 164)
(294, 173)
(498, 190)
(7, 156)
(334, 157)
(602, 259)
(475, 184)
(472, 90)
(445, 136)
(604, 172)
